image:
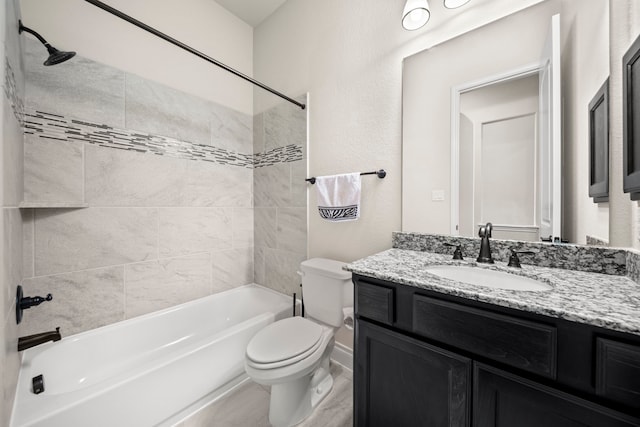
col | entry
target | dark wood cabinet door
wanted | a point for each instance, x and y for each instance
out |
(501, 399)
(400, 381)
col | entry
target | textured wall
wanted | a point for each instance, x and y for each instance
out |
(11, 71)
(167, 180)
(348, 56)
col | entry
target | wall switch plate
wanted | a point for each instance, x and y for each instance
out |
(437, 195)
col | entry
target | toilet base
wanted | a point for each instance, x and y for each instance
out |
(292, 402)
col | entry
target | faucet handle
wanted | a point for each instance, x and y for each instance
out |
(514, 261)
(23, 303)
(485, 230)
(457, 254)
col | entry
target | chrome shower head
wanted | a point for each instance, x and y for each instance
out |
(55, 56)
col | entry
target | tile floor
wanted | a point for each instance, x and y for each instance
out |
(249, 406)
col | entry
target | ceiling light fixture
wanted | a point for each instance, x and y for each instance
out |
(416, 14)
(452, 4)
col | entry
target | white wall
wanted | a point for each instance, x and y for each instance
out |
(624, 29)
(348, 56)
(203, 24)
(585, 66)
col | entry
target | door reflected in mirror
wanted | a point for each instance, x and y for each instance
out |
(498, 159)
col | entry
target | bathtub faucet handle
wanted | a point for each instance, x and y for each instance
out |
(28, 302)
(22, 302)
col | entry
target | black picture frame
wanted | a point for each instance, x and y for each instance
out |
(599, 145)
(631, 118)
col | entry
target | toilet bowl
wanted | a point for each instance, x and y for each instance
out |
(298, 369)
(292, 355)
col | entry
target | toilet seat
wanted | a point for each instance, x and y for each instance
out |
(282, 341)
(272, 343)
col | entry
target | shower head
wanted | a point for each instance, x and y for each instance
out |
(55, 56)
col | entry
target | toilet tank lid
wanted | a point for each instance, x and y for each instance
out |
(325, 267)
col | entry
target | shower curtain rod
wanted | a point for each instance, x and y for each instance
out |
(189, 49)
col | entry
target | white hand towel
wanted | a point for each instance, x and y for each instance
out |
(339, 196)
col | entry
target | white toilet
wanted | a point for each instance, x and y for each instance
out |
(292, 355)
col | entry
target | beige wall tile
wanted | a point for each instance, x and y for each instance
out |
(231, 129)
(53, 170)
(281, 270)
(161, 110)
(28, 225)
(258, 133)
(272, 186)
(299, 187)
(265, 227)
(232, 268)
(82, 300)
(292, 230)
(11, 249)
(10, 361)
(69, 240)
(210, 184)
(285, 124)
(242, 227)
(79, 88)
(258, 265)
(12, 158)
(154, 285)
(183, 231)
(124, 178)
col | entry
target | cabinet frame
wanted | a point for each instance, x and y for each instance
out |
(631, 118)
(599, 145)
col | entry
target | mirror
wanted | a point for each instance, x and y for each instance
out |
(488, 183)
(497, 161)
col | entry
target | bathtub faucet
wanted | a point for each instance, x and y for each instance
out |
(37, 339)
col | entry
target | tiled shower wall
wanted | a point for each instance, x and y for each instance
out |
(280, 196)
(12, 74)
(167, 180)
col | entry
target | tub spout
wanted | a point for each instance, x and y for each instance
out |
(37, 339)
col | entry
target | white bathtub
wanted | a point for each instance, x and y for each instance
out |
(149, 370)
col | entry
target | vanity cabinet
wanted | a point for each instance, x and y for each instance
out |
(424, 358)
(409, 382)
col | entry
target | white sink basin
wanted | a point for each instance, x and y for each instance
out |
(489, 278)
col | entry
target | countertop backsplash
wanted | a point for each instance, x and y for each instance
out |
(593, 259)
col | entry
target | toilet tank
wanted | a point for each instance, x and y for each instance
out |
(326, 289)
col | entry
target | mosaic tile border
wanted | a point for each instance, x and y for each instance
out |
(286, 154)
(57, 127)
(11, 92)
(572, 257)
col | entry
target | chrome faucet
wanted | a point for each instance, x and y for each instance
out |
(37, 339)
(485, 249)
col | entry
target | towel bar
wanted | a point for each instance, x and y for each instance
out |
(381, 174)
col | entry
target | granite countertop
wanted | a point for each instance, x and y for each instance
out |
(602, 300)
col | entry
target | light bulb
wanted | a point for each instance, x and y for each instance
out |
(415, 15)
(452, 4)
